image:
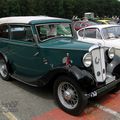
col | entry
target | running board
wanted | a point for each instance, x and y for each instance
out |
(26, 80)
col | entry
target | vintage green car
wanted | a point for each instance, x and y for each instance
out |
(41, 50)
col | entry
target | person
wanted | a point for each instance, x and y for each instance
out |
(75, 18)
(52, 30)
(85, 19)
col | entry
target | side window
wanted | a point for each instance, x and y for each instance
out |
(4, 31)
(22, 33)
(90, 33)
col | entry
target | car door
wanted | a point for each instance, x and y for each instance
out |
(91, 35)
(25, 54)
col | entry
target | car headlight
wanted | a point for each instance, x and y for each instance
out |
(111, 53)
(87, 60)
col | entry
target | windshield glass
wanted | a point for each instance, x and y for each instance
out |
(111, 32)
(54, 30)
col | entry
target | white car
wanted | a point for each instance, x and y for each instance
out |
(106, 35)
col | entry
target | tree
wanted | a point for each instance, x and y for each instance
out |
(4, 8)
(59, 8)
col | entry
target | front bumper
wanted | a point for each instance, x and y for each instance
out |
(103, 90)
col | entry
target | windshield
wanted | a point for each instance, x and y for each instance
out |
(54, 30)
(111, 32)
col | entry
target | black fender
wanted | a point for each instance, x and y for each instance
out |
(79, 74)
(2, 55)
(83, 77)
(114, 66)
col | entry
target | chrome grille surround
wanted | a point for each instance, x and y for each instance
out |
(98, 61)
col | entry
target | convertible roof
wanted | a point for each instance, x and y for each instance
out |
(31, 19)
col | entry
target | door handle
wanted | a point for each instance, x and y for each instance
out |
(36, 54)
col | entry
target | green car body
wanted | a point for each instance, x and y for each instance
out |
(34, 59)
(39, 50)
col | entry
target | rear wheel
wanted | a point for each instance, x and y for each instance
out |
(69, 96)
(4, 69)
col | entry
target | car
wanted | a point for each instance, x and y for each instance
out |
(43, 50)
(106, 35)
(106, 22)
(81, 24)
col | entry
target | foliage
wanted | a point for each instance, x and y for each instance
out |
(59, 8)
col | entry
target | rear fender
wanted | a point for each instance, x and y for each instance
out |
(2, 55)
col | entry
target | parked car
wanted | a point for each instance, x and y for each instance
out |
(81, 24)
(39, 50)
(106, 22)
(106, 35)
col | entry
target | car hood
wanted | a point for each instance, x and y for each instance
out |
(65, 43)
(113, 43)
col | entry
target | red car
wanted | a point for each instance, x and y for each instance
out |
(81, 24)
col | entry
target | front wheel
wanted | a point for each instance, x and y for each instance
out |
(4, 70)
(69, 96)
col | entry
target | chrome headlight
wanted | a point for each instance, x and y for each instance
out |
(111, 53)
(87, 60)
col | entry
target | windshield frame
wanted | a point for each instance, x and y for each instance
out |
(39, 40)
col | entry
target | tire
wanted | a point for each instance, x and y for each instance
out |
(69, 96)
(4, 69)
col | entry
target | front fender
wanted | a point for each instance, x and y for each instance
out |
(83, 77)
(79, 74)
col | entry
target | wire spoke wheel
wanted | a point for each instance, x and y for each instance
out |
(69, 96)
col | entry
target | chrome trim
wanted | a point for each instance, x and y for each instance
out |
(110, 50)
(85, 57)
(99, 66)
(94, 47)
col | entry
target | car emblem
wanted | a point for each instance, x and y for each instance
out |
(97, 60)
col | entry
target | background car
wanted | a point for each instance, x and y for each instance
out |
(106, 22)
(81, 24)
(106, 35)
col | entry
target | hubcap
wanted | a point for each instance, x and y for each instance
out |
(68, 95)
